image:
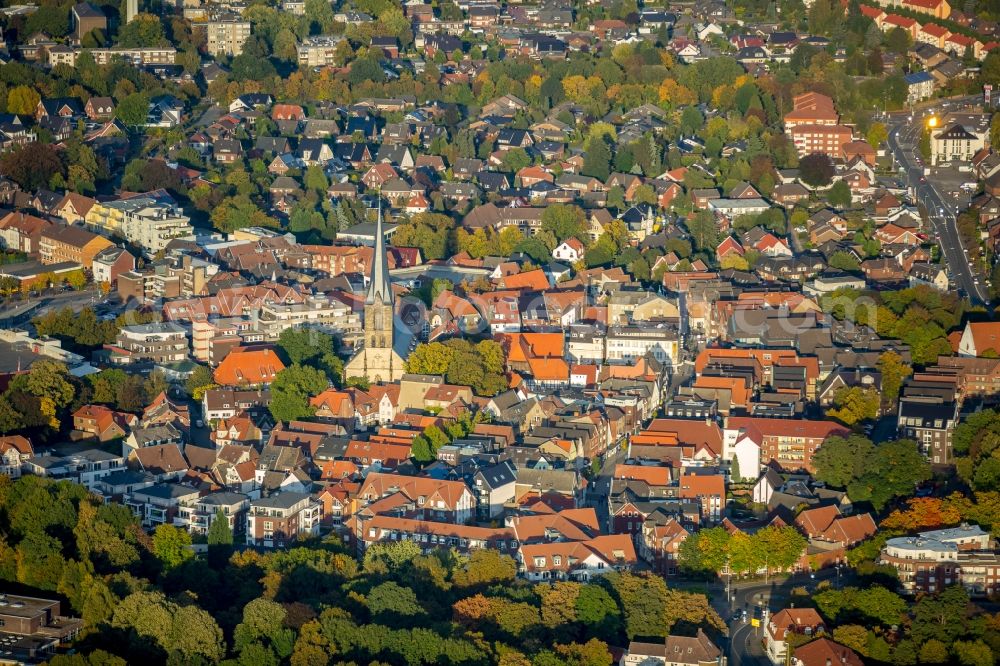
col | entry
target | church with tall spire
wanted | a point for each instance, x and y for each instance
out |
(378, 361)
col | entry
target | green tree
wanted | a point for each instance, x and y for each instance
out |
(315, 180)
(597, 160)
(172, 545)
(816, 170)
(705, 551)
(319, 14)
(924, 144)
(429, 359)
(839, 195)
(565, 221)
(898, 41)
(10, 419)
(597, 611)
(943, 616)
(200, 379)
(430, 232)
(132, 109)
(262, 619)
(855, 404)
(389, 599)
(52, 19)
(973, 653)
(877, 135)
(291, 390)
(485, 567)
(515, 159)
(142, 31)
(22, 100)
(839, 461)
(892, 470)
(704, 231)
(933, 652)
(874, 604)
(845, 261)
(302, 345)
(219, 532)
(894, 372)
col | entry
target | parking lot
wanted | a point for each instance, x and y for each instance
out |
(949, 180)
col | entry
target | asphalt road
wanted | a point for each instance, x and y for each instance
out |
(903, 142)
(745, 646)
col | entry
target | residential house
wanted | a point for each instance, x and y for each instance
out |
(698, 650)
(249, 366)
(801, 621)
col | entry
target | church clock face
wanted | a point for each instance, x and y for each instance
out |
(411, 314)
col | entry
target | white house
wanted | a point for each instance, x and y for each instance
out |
(570, 250)
(744, 453)
(706, 30)
(978, 338)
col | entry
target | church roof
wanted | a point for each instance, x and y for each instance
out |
(380, 290)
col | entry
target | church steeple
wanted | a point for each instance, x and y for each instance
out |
(380, 289)
(378, 303)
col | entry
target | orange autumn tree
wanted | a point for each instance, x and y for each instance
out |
(923, 513)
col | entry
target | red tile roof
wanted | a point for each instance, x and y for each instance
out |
(823, 651)
(249, 365)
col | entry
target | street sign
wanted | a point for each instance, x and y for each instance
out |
(755, 622)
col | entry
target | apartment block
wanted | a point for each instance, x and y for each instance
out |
(159, 343)
(318, 50)
(823, 139)
(212, 340)
(278, 520)
(174, 277)
(146, 221)
(931, 423)
(273, 318)
(158, 55)
(62, 243)
(936, 559)
(160, 504)
(811, 108)
(790, 443)
(227, 35)
(627, 344)
(198, 516)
